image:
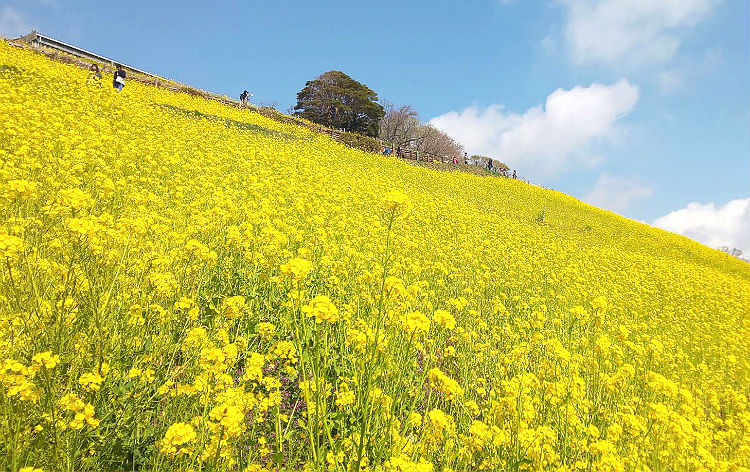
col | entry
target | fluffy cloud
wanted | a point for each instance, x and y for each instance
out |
(727, 225)
(630, 32)
(12, 24)
(544, 139)
(616, 193)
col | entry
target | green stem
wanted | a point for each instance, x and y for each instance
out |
(370, 366)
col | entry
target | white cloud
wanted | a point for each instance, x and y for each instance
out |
(727, 225)
(543, 140)
(12, 25)
(629, 32)
(616, 193)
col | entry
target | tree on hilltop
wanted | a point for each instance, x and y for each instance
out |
(402, 127)
(438, 142)
(732, 251)
(336, 100)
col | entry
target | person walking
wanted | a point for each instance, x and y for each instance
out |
(489, 164)
(119, 78)
(514, 174)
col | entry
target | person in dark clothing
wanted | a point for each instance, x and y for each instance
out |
(514, 174)
(245, 98)
(119, 79)
(466, 159)
(489, 164)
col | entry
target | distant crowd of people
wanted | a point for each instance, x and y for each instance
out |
(490, 165)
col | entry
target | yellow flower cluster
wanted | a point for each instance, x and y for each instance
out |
(178, 439)
(46, 359)
(297, 268)
(444, 384)
(444, 318)
(83, 413)
(322, 309)
(190, 286)
(416, 322)
(16, 380)
(11, 247)
(440, 426)
(234, 306)
(91, 381)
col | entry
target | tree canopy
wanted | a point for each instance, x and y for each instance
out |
(336, 100)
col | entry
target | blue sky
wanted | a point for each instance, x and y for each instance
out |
(638, 106)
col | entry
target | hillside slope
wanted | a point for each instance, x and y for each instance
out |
(186, 284)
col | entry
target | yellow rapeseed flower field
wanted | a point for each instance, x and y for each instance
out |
(189, 286)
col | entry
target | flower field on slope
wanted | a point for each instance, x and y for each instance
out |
(185, 285)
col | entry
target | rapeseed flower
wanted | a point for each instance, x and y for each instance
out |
(416, 322)
(161, 276)
(46, 359)
(297, 268)
(322, 309)
(177, 440)
(444, 319)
